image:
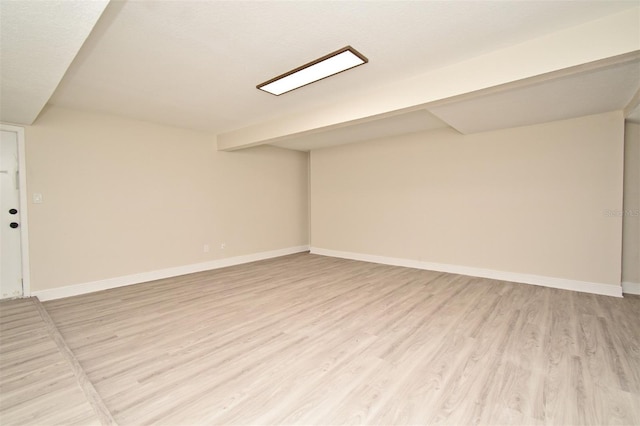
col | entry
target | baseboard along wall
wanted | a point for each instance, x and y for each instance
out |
(559, 283)
(89, 287)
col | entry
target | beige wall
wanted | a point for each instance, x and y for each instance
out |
(124, 196)
(631, 219)
(527, 200)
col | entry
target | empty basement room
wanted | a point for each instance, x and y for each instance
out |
(319, 213)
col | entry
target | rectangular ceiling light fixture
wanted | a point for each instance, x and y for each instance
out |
(333, 63)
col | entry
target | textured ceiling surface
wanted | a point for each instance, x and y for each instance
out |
(410, 122)
(38, 41)
(634, 116)
(584, 93)
(195, 64)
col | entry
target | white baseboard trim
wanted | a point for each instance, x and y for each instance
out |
(90, 287)
(630, 288)
(560, 283)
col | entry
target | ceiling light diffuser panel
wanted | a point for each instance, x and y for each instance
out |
(331, 64)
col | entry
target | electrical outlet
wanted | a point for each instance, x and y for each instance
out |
(223, 246)
(37, 198)
(206, 248)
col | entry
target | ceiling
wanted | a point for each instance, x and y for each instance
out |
(634, 116)
(195, 64)
(410, 122)
(38, 42)
(596, 91)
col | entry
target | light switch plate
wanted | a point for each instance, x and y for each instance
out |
(37, 198)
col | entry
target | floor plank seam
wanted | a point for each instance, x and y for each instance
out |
(90, 392)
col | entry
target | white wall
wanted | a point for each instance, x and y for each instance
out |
(125, 197)
(528, 200)
(631, 218)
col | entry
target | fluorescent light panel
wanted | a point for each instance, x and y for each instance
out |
(333, 63)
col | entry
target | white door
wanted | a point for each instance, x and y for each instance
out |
(10, 257)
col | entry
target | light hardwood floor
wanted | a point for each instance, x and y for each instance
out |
(37, 385)
(305, 339)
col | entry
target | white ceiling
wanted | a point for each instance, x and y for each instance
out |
(583, 93)
(597, 89)
(634, 116)
(195, 64)
(38, 41)
(410, 122)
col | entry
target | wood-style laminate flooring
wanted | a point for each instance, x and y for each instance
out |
(306, 339)
(37, 385)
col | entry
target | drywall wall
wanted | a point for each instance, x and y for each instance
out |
(530, 200)
(124, 197)
(631, 212)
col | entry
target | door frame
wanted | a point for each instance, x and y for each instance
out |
(24, 229)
